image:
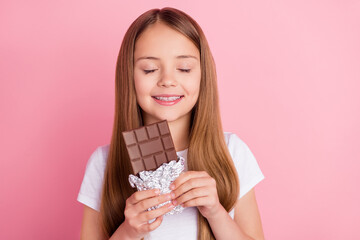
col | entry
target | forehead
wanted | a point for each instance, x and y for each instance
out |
(160, 40)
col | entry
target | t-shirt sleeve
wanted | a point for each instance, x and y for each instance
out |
(91, 186)
(248, 170)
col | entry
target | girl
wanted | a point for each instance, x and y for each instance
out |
(165, 70)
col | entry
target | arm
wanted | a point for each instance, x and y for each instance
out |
(247, 222)
(90, 229)
(247, 215)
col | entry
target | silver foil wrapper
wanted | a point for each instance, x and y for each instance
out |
(161, 179)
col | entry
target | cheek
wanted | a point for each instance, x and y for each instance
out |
(141, 87)
(194, 86)
(140, 92)
(138, 89)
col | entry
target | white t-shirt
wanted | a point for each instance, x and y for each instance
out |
(185, 223)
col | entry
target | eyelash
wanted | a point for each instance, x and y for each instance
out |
(153, 70)
(149, 71)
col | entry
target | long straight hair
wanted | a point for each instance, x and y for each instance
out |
(207, 148)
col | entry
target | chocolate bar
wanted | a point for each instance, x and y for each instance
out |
(149, 146)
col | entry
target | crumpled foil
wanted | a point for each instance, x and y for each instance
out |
(161, 179)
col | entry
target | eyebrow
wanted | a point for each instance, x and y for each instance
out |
(155, 58)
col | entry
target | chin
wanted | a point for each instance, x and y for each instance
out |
(170, 116)
(173, 117)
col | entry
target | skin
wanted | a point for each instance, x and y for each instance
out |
(176, 70)
(158, 69)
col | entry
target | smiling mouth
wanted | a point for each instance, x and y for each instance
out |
(168, 99)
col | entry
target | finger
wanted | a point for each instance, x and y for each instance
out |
(141, 195)
(191, 184)
(151, 202)
(186, 176)
(192, 194)
(196, 202)
(147, 227)
(148, 215)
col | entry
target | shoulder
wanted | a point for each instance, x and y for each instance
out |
(90, 190)
(246, 165)
(103, 150)
(95, 167)
(98, 158)
(238, 149)
(234, 143)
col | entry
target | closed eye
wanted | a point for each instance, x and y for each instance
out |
(149, 71)
(184, 70)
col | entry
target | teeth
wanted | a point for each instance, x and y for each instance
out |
(167, 98)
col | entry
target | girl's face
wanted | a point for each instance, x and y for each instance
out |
(166, 74)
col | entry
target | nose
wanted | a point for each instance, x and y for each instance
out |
(167, 79)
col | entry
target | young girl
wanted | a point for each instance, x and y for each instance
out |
(165, 70)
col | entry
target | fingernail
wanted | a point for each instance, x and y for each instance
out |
(172, 195)
(171, 206)
(172, 186)
(168, 197)
(174, 202)
(157, 191)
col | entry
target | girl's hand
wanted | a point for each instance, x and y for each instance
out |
(194, 188)
(136, 214)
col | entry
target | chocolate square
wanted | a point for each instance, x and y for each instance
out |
(149, 146)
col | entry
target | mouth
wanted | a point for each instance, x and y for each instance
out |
(167, 100)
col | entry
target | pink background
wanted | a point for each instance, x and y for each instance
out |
(289, 79)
